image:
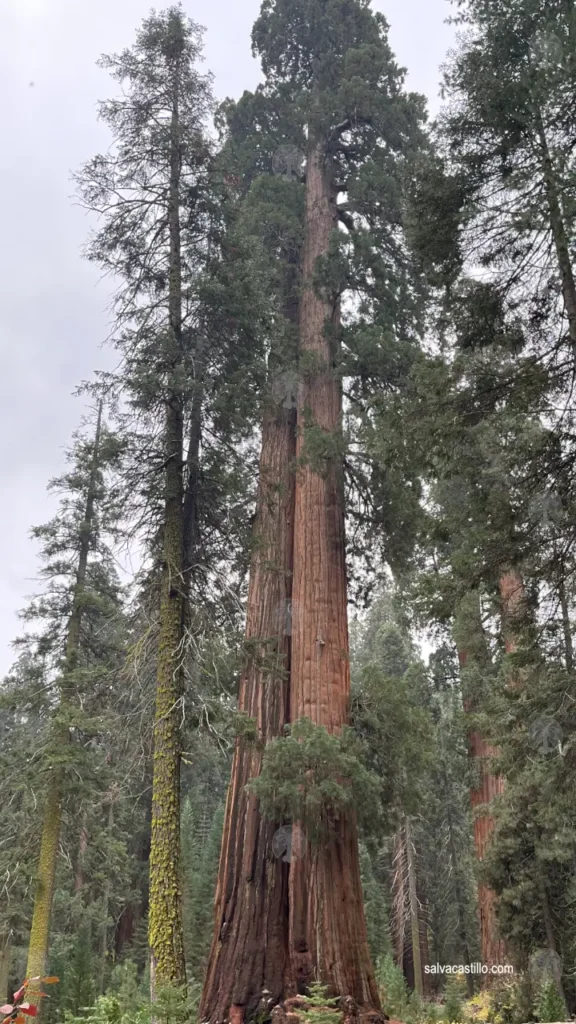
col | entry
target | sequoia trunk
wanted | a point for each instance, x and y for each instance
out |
(328, 937)
(248, 964)
(472, 653)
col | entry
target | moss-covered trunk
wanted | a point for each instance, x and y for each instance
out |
(165, 928)
(327, 926)
(5, 965)
(249, 961)
(45, 880)
(52, 819)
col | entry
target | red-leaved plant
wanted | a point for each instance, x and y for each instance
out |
(21, 1008)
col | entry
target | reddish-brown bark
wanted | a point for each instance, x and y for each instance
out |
(249, 964)
(471, 645)
(489, 786)
(513, 598)
(327, 927)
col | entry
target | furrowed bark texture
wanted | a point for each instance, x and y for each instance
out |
(470, 641)
(489, 786)
(327, 925)
(165, 928)
(249, 963)
(513, 598)
(512, 593)
(52, 823)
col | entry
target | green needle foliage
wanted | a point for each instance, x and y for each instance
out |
(310, 776)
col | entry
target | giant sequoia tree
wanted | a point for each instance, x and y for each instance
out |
(248, 964)
(333, 90)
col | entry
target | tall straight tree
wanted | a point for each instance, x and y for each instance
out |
(257, 958)
(474, 657)
(249, 960)
(150, 191)
(327, 927)
(328, 62)
(79, 600)
(40, 930)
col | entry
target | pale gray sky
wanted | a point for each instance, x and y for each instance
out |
(53, 304)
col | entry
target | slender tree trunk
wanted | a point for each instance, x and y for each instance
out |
(512, 592)
(550, 937)
(5, 964)
(82, 847)
(462, 931)
(399, 900)
(566, 627)
(514, 615)
(424, 938)
(558, 228)
(165, 927)
(190, 525)
(106, 906)
(403, 904)
(327, 925)
(52, 822)
(472, 651)
(414, 912)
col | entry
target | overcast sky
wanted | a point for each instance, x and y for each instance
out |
(52, 304)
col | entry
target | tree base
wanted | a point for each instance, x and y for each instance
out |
(287, 1012)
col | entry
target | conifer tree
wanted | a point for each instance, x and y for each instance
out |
(141, 188)
(65, 660)
(160, 235)
(505, 132)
